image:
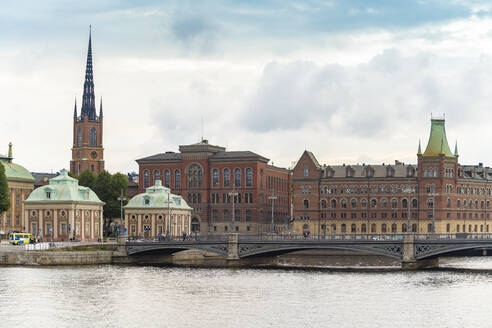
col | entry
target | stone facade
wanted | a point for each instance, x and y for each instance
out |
(205, 175)
(147, 214)
(64, 210)
(20, 184)
(437, 194)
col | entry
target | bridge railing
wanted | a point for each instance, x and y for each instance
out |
(330, 237)
(192, 238)
(456, 236)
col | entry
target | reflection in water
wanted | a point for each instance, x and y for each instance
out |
(113, 296)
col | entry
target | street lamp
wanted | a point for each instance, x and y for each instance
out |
(408, 189)
(233, 195)
(273, 197)
(122, 198)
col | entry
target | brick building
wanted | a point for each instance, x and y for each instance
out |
(205, 175)
(436, 194)
(87, 149)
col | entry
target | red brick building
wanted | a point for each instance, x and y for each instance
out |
(87, 149)
(205, 175)
(436, 194)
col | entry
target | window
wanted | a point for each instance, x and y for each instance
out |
(448, 203)
(48, 194)
(215, 214)
(373, 227)
(248, 215)
(157, 175)
(394, 203)
(167, 178)
(393, 228)
(226, 215)
(146, 178)
(404, 203)
(344, 203)
(373, 203)
(177, 179)
(237, 177)
(383, 227)
(414, 203)
(306, 171)
(79, 137)
(384, 203)
(249, 177)
(344, 228)
(363, 203)
(227, 178)
(353, 228)
(363, 228)
(93, 137)
(306, 203)
(215, 177)
(195, 175)
(333, 203)
(353, 203)
(323, 203)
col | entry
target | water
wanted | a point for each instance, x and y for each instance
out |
(119, 296)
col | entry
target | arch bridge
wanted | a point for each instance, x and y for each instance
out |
(412, 250)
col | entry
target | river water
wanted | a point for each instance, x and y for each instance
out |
(146, 296)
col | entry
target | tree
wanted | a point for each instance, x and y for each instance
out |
(87, 179)
(108, 188)
(4, 191)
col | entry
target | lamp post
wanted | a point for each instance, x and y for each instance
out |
(408, 189)
(433, 194)
(273, 197)
(233, 195)
(122, 198)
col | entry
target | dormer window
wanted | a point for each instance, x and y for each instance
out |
(410, 172)
(48, 194)
(389, 172)
(329, 173)
(349, 172)
(147, 201)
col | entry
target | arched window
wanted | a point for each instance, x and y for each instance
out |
(226, 215)
(429, 227)
(249, 177)
(323, 203)
(79, 137)
(344, 203)
(373, 227)
(227, 177)
(215, 177)
(306, 203)
(414, 203)
(237, 177)
(384, 203)
(177, 179)
(363, 228)
(394, 203)
(414, 227)
(363, 203)
(448, 203)
(353, 228)
(344, 228)
(146, 178)
(195, 175)
(93, 137)
(430, 203)
(157, 175)
(404, 227)
(167, 178)
(333, 203)
(373, 203)
(404, 203)
(393, 228)
(353, 203)
(383, 227)
(458, 203)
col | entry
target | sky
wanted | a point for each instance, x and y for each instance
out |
(352, 81)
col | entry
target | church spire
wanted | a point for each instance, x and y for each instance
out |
(75, 108)
(101, 107)
(419, 151)
(456, 149)
(88, 98)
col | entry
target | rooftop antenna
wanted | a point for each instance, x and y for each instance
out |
(202, 126)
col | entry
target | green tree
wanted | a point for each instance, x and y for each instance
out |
(4, 191)
(87, 179)
(108, 188)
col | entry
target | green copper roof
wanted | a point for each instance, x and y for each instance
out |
(15, 172)
(438, 143)
(63, 188)
(158, 197)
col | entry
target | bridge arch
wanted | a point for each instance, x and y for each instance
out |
(425, 251)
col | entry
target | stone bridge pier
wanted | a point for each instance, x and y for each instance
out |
(409, 262)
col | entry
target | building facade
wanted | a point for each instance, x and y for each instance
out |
(435, 195)
(63, 210)
(209, 178)
(20, 184)
(157, 212)
(87, 148)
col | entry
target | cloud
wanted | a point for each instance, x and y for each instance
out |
(195, 32)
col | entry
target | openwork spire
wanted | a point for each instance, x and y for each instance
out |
(75, 108)
(101, 107)
(88, 99)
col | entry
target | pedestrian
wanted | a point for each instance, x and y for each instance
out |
(184, 236)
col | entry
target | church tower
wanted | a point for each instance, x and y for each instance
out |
(87, 149)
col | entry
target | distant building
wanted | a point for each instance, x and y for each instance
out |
(87, 149)
(62, 210)
(20, 184)
(147, 214)
(436, 194)
(132, 189)
(42, 179)
(208, 177)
